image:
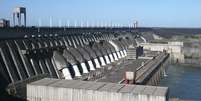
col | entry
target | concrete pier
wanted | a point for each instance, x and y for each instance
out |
(152, 72)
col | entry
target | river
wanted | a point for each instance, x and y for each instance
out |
(184, 82)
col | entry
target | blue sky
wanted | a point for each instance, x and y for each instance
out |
(149, 13)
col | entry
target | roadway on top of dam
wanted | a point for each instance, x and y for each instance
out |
(144, 67)
(29, 32)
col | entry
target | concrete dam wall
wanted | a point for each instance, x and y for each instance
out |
(77, 54)
(71, 55)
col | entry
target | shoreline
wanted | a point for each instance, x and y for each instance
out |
(188, 64)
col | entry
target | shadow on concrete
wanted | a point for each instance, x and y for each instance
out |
(4, 96)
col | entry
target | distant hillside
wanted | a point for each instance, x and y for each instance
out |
(168, 32)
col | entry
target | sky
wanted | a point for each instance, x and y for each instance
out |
(148, 13)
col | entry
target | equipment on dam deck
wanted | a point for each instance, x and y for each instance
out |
(4, 23)
(75, 90)
(130, 74)
(140, 51)
(134, 52)
(129, 77)
(131, 52)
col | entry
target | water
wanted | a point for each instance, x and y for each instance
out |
(84, 68)
(184, 82)
(125, 52)
(118, 54)
(107, 59)
(97, 63)
(77, 72)
(102, 61)
(115, 56)
(111, 58)
(91, 65)
(122, 54)
(67, 74)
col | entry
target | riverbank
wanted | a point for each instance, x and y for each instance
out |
(191, 65)
(177, 99)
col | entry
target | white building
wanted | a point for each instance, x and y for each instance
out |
(4, 23)
(174, 48)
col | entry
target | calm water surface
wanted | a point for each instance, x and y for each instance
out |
(184, 81)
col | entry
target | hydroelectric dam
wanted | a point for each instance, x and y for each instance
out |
(84, 64)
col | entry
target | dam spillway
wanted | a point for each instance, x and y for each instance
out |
(90, 54)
